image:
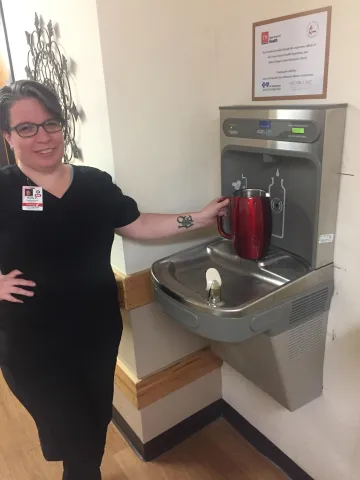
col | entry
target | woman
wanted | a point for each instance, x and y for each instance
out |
(60, 323)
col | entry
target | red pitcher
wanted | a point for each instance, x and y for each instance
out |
(250, 223)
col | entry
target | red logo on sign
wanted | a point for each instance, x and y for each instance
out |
(264, 37)
(313, 29)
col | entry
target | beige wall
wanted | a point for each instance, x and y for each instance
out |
(324, 436)
(157, 341)
(176, 63)
(160, 71)
(172, 409)
(160, 79)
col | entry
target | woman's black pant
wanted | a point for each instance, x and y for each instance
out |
(70, 400)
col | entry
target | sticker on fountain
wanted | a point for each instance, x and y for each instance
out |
(240, 183)
(277, 193)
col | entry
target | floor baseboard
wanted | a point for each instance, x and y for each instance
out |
(263, 445)
(166, 441)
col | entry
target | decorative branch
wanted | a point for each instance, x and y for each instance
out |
(47, 65)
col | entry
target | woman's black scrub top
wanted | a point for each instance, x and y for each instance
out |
(65, 249)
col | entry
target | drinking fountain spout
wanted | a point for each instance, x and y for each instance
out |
(213, 286)
(214, 293)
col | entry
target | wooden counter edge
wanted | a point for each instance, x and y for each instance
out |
(146, 391)
(134, 290)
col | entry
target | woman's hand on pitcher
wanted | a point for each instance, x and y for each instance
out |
(216, 208)
(10, 284)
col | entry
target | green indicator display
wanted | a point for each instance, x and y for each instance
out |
(298, 130)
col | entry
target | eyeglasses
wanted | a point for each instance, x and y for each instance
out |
(31, 129)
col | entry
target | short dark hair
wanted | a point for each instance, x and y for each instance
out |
(27, 89)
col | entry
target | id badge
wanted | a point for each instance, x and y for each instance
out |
(32, 199)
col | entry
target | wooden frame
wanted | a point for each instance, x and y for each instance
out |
(327, 54)
(144, 392)
(134, 290)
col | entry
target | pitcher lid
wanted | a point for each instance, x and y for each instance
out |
(251, 192)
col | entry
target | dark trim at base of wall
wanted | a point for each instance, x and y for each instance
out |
(263, 444)
(166, 441)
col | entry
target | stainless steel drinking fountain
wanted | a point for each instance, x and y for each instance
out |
(268, 319)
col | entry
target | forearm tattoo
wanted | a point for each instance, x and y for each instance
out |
(185, 221)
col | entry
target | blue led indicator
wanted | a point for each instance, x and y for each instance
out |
(265, 124)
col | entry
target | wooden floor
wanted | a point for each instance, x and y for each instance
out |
(216, 453)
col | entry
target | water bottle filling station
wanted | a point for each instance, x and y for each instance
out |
(267, 314)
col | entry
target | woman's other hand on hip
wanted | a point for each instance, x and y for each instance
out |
(10, 284)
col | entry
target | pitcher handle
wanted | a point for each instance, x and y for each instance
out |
(220, 222)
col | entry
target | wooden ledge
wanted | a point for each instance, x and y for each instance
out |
(134, 290)
(142, 393)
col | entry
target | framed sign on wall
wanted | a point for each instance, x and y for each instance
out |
(6, 77)
(291, 56)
